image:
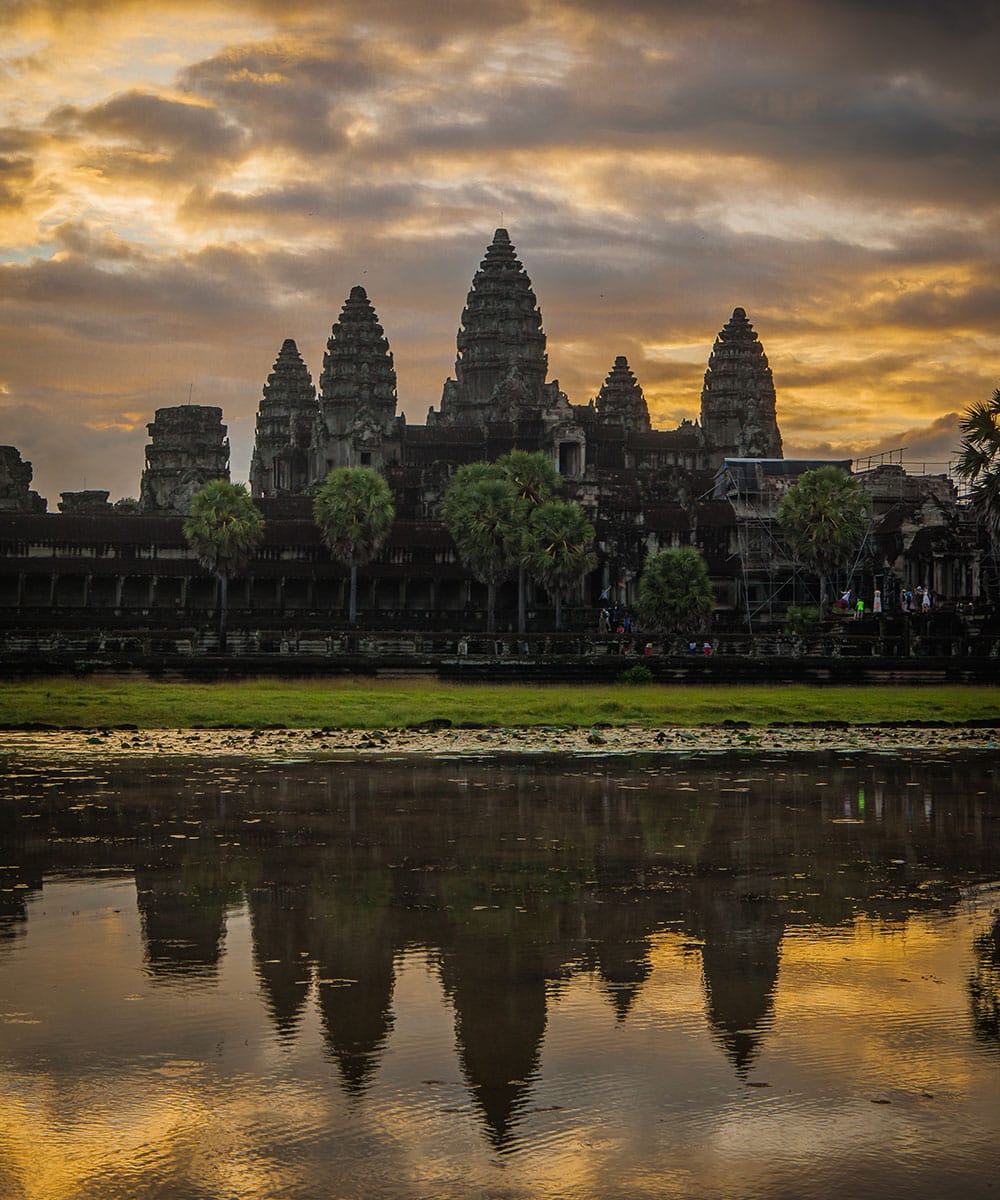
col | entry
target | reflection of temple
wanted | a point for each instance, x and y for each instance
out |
(514, 887)
(279, 912)
(498, 988)
(183, 918)
(984, 987)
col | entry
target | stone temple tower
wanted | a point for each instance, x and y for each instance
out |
(620, 400)
(285, 418)
(188, 447)
(737, 400)
(501, 344)
(357, 404)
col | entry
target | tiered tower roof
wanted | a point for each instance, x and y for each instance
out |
(289, 395)
(501, 326)
(620, 400)
(357, 366)
(737, 400)
(284, 421)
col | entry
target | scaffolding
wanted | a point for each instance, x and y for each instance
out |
(771, 577)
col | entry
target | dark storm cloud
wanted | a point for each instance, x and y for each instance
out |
(15, 175)
(312, 202)
(151, 134)
(286, 94)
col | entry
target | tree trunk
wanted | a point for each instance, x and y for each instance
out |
(522, 600)
(491, 606)
(223, 610)
(352, 607)
(558, 600)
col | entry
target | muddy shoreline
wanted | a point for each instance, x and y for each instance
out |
(447, 741)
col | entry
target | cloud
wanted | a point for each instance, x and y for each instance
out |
(181, 190)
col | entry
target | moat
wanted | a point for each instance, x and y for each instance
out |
(718, 974)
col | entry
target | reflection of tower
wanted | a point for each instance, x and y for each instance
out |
(18, 885)
(498, 989)
(624, 968)
(183, 914)
(279, 913)
(740, 960)
(984, 987)
(354, 958)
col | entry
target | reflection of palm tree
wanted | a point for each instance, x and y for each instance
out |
(984, 987)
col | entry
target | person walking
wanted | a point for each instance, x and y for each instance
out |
(877, 603)
(859, 609)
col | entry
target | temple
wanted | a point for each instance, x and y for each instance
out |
(714, 482)
(499, 399)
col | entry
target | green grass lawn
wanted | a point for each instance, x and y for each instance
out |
(367, 703)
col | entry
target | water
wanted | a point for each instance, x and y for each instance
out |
(713, 977)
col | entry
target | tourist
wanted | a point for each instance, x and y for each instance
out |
(925, 600)
(877, 603)
(859, 609)
(707, 649)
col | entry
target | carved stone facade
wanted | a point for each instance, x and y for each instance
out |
(281, 458)
(88, 503)
(620, 400)
(499, 399)
(16, 495)
(188, 448)
(737, 400)
(357, 405)
(643, 488)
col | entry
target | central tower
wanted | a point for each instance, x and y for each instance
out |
(501, 344)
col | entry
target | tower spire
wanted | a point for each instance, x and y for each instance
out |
(737, 399)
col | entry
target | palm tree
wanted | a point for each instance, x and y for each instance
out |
(675, 589)
(535, 480)
(824, 516)
(354, 511)
(560, 547)
(223, 530)
(481, 510)
(979, 462)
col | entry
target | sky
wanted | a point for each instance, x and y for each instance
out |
(185, 184)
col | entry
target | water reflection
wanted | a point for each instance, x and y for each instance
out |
(514, 880)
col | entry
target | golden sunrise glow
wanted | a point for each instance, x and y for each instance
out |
(183, 187)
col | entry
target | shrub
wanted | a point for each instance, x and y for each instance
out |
(636, 675)
(800, 622)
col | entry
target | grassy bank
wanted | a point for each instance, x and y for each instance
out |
(367, 704)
